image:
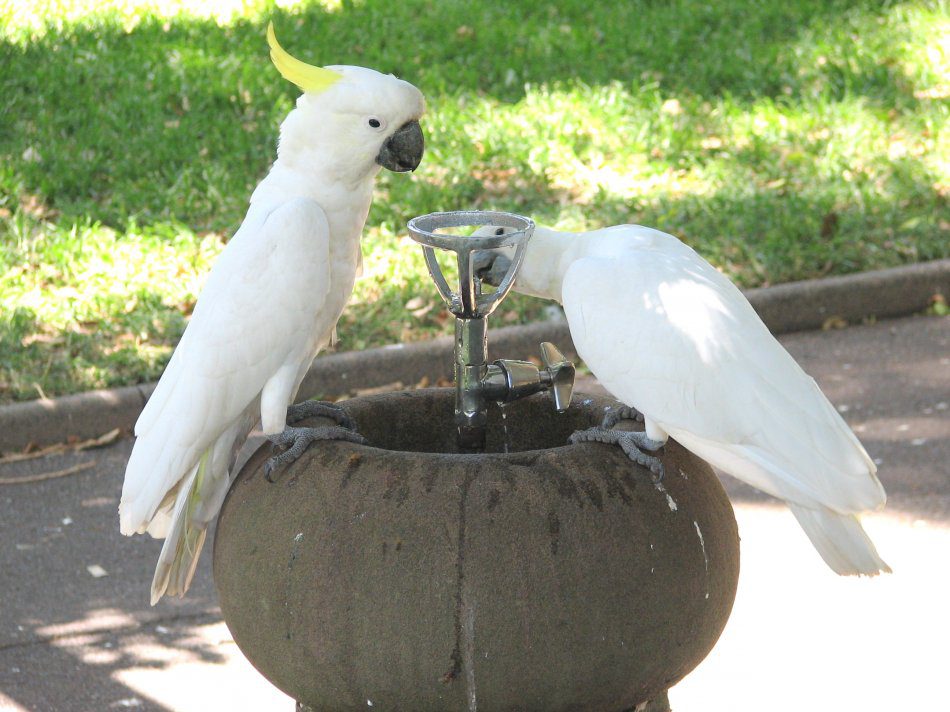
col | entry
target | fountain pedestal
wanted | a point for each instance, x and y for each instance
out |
(402, 575)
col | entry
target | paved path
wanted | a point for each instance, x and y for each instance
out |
(72, 639)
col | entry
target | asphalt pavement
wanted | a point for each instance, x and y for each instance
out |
(77, 632)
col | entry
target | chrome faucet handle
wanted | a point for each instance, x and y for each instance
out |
(559, 373)
(508, 380)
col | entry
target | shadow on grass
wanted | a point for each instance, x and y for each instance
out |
(176, 119)
(121, 348)
(175, 122)
(739, 232)
(745, 234)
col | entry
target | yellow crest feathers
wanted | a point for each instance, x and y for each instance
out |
(306, 76)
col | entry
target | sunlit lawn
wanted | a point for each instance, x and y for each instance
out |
(784, 139)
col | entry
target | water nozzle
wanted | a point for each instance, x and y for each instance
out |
(478, 383)
(468, 302)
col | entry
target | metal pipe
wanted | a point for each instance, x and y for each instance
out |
(471, 354)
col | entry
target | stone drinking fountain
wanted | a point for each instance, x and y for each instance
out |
(467, 557)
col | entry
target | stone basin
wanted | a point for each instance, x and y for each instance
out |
(402, 575)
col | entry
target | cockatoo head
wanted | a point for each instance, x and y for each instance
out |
(349, 120)
(541, 271)
(492, 265)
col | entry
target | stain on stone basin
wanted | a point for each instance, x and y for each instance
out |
(405, 576)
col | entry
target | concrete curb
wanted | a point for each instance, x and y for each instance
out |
(784, 308)
(899, 291)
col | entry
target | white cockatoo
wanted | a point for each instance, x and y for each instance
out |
(673, 338)
(270, 304)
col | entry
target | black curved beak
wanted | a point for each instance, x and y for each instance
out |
(402, 152)
(490, 266)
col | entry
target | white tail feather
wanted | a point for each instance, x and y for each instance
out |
(153, 471)
(188, 508)
(183, 540)
(841, 541)
(173, 575)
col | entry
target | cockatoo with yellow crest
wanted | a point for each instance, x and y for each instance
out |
(671, 337)
(270, 303)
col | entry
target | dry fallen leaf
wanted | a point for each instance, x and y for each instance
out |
(833, 322)
(42, 476)
(376, 390)
(422, 311)
(32, 450)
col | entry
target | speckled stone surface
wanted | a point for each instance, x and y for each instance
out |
(541, 579)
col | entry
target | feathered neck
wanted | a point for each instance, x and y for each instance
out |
(549, 255)
(311, 164)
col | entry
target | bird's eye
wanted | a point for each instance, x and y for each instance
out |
(375, 123)
(500, 231)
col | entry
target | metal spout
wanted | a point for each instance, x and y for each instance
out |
(471, 409)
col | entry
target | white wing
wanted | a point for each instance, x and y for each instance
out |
(257, 322)
(668, 334)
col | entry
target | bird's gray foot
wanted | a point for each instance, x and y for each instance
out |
(324, 409)
(632, 442)
(296, 440)
(621, 412)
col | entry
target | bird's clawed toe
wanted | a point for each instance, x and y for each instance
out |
(324, 409)
(297, 440)
(619, 413)
(650, 462)
(632, 442)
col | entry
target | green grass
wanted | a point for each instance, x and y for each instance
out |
(782, 139)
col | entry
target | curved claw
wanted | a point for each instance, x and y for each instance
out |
(324, 409)
(630, 441)
(621, 412)
(297, 440)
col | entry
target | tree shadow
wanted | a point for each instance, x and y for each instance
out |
(124, 111)
(176, 121)
(85, 672)
(124, 346)
(736, 231)
(74, 606)
(741, 233)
